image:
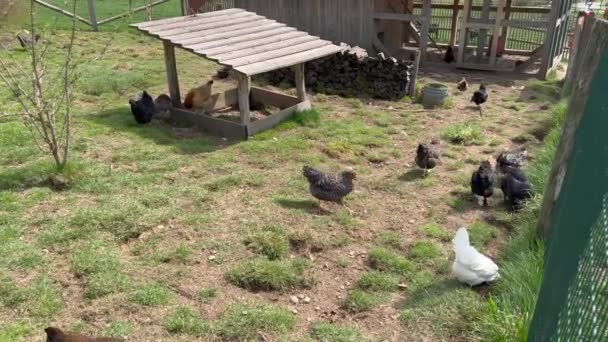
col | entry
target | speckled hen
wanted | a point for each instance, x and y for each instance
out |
(427, 157)
(328, 187)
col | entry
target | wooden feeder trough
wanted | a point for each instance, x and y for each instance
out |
(249, 44)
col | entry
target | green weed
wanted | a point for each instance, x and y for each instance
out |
(267, 275)
(465, 133)
(383, 259)
(245, 322)
(272, 244)
(187, 322)
(329, 332)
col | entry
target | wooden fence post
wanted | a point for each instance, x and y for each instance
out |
(454, 28)
(93, 15)
(300, 81)
(244, 89)
(424, 30)
(172, 79)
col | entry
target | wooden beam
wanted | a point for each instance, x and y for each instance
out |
(424, 30)
(244, 90)
(581, 38)
(414, 74)
(524, 24)
(454, 27)
(272, 120)
(496, 33)
(62, 11)
(548, 43)
(406, 17)
(505, 29)
(300, 82)
(138, 9)
(483, 31)
(93, 15)
(172, 79)
(462, 41)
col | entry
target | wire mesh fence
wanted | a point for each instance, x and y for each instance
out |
(573, 300)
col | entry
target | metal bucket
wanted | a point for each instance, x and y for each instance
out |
(434, 94)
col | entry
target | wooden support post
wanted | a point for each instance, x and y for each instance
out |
(549, 35)
(172, 80)
(300, 81)
(424, 30)
(505, 29)
(414, 74)
(483, 33)
(92, 15)
(244, 90)
(462, 41)
(454, 27)
(496, 32)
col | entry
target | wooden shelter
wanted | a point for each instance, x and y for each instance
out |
(487, 34)
(248, 43)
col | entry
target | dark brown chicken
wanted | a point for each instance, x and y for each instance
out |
(327, 187)
(463, 85)
(482, 181)
(426, 157)
(516, 187)
(56, 335)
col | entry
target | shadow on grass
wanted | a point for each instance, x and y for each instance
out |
(185, 140)
(309, 206)
(463, 201)
(412, 175)
(420, 296)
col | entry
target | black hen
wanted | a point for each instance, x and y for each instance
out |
(223, 73)
(463, 85)
(143, 108)
(426, 157)
(480, 97)
(515, 187)
(513, 159)
(26, 41)
(326, 187)
(448, 57)
(56, 335)
(482, 181)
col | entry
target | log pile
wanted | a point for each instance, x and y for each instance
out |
(352, 72)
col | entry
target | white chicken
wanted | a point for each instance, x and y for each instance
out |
(470, 266)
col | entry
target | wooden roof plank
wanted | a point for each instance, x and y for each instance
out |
(286, 61)
(208, 24)
(260, 57)
(261, 45)
(210, 33)
(187, 22)
(221, 43)
(148, 24)
(225, 35)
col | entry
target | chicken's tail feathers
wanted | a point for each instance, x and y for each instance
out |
(461, 240)
(188, 101)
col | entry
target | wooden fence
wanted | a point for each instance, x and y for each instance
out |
(348, 21)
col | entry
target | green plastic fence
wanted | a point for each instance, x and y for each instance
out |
(573, 300)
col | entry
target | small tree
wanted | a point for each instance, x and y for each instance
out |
(44, 93)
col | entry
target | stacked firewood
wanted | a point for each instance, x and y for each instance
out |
(352, 72)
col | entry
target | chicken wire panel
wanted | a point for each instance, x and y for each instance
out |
(573, 300)
(584, 316)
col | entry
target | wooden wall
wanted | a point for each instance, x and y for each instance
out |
(348, 21)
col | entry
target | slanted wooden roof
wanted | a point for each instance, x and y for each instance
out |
(249, 43)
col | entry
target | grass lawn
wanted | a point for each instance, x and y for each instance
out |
(171, 234)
